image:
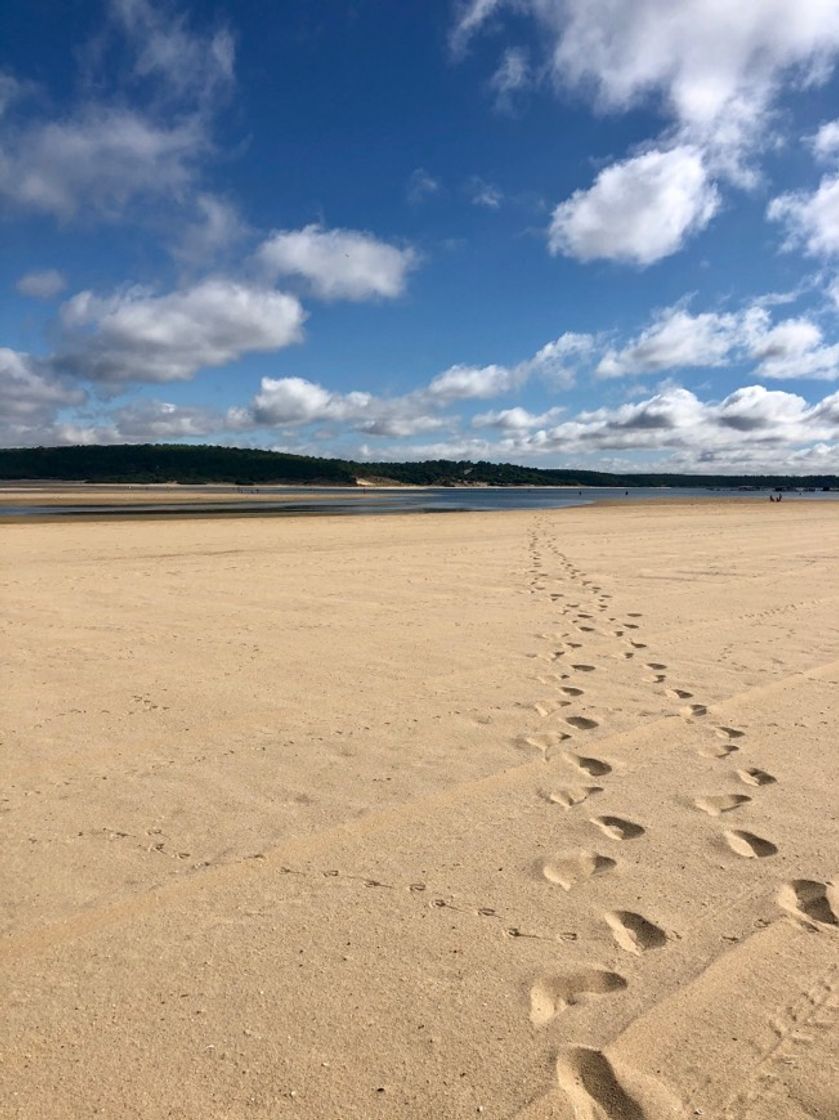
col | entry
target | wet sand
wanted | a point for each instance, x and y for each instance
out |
(522, 814)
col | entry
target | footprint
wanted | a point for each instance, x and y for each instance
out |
(568, 796)
(721, 751)
(586, 629)
(591, 1086)
(633, 614)
(638, 645)
(810, 901)
(630, 626)
(569, 691)
(582, 723)
(569, 870)
(594, 766)
(679, 694)
(755, 777)
(729, 733)
(552, 994)
(656, 666)
(634, 933)
(618, 828)
(694, 710)
(723, 803)
(749, 846)
(544, 741)
(583, 668)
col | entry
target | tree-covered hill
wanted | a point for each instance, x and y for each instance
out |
(150, 463)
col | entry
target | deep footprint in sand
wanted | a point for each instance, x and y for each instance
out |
(588, 1080)
(753, 776)
(582, 723)
(722, 803)
(729, 733)
(567, 871)
(656, 666)
(718, 750)
(550, 995)
(749, 846)
(679, 693)
(634, 932)
(594, 766)
(810, 901)
(618, 828)
(583, 668)
(694, 711)
(571, 691)
(568, 796)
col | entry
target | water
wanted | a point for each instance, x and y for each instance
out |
(292, 501)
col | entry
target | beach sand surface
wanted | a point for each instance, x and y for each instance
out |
(496, 814)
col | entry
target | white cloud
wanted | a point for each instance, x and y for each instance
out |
(462, 382)
(825, 143)
(338, 263)
(556, 361)
(218, 226)
(516, 419)
(183, 63)
(482, 193)
(512, 76)
(41, 285)
(638, 211)
(138, 336)
(97, 162)
(421, 185)
(30, 396)
(675, 340)
(471, 15)
(811, 219)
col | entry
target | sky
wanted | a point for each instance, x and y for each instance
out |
(592, 233)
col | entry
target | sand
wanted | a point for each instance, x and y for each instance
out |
(502, 814)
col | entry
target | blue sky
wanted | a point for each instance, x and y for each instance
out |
(547, 231)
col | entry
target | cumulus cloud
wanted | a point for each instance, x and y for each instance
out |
(637, 211)
(516, 419)
(825, 143)
(338, 263)
(675, 340)
(811, 219)
(31, 394)
(138, 336)
(42, 285)
(98, 161)
(463, 382)
(217, 226)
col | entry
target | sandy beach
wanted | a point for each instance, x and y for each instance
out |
(495, 814)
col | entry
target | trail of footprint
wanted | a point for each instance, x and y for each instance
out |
(618, 828)
(634, 932)
(594, 766)
(568, 796)
(722, 803)
(753, 776)
(567, 871)
(550, 995)
(749, 846)
(810, 901)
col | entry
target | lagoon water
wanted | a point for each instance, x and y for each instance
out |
(289, 501)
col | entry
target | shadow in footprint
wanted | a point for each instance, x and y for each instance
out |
(583, 668)
(755, 777)
(810, 901)
(694, 711)
(591, 1086)
(551, 995)
(634, 932)
(619, 828)
(749, 846)
(594, 766)
(582, 723)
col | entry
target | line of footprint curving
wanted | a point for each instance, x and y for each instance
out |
(584, 1073)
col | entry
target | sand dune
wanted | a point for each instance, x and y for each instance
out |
(512, 814)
